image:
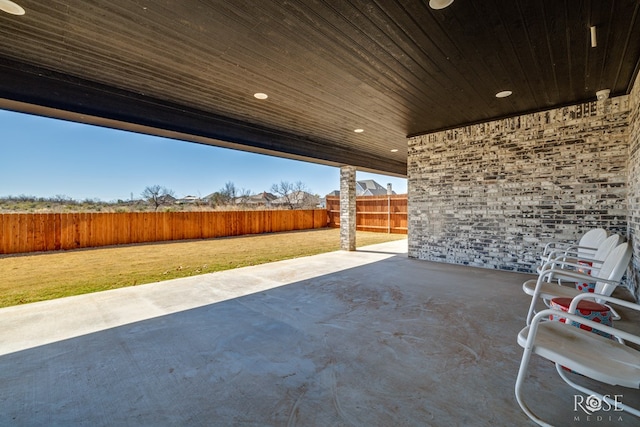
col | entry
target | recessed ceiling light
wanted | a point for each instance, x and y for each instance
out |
(11, 7)
(503, 94)
(603, 94)
(439, 4)
(261, 95)
(358, 130)
(394, 150)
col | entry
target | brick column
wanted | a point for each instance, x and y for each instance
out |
(348, 208)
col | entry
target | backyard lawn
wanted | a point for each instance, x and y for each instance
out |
(42, 276)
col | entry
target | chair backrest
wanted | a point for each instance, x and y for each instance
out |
(591, 239)
(603, 251)
(613, 268)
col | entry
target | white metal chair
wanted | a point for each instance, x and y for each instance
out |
(589, 354)
(609, 276)
(589, 265)
(586, 246)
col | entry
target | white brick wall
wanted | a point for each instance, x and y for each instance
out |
(491, 194)
(633, 184)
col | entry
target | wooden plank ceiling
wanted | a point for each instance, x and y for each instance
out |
(189, 68)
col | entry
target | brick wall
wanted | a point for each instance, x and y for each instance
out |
(634, 187)
(490, 195)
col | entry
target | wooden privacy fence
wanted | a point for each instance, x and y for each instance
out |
(21, 233)
(382, 214)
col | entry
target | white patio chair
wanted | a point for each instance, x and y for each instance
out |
(589, 265)
(589, 354)
(585, 247)
(609, 276)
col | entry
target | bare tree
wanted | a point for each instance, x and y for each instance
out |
(61, 198)
(229, 191)
(242, 197)
(215, 199)
(225, 196)
(292, 195)
(157, 195)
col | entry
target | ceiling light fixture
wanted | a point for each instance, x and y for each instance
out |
(439, 4)
(358, 130)
(258, 95)
(11, 7)
(503, 94)
(603, 94)
(594, 42)
(394, 150)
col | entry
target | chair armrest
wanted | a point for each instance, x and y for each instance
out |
(576, 300)
(544, 314)
(560, 264)
(576, 259)
(572, 275)
(573, 252)
(589, 248)
(561, 250)
(563, 246)
(552, 246)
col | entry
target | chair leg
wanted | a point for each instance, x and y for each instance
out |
(522, 373)
(532, 309)
(590, 392)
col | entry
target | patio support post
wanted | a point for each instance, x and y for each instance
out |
(348, 208)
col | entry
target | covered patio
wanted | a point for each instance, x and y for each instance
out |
(369, 337)
(493, 111)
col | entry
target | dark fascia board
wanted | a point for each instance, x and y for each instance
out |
(34, 90)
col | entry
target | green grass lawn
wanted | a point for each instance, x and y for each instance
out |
(42, 276)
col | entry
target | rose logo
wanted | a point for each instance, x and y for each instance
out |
(593, 404)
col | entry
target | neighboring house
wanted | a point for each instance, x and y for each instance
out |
(262, 199)
(297, 200)
(367, 187)
(186, 200)
(167, 199)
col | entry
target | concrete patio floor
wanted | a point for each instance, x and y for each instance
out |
(365, 338)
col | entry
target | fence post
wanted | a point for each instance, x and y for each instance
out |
(389, 191)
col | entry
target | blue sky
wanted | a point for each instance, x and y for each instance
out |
(44, 157)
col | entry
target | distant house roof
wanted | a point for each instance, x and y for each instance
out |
(367, 187)
(298, 198)
(263, 198)
(167, 198)
(187, 199)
